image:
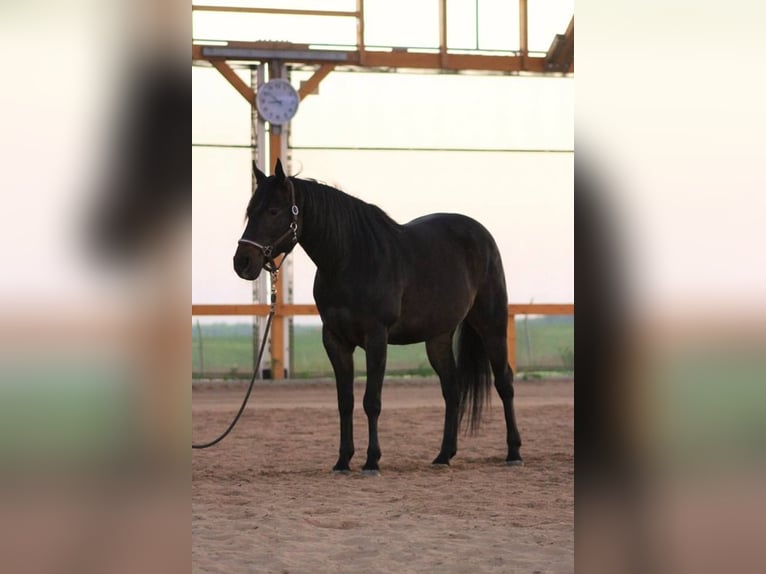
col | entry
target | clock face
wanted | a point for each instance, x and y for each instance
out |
(277, 101)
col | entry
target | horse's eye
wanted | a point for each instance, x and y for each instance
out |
(273, 211)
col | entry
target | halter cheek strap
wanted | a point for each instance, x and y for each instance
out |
(292, 230)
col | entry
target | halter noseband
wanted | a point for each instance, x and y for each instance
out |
(268, 250)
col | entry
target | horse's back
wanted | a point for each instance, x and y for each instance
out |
(448, 259)
(449, 223)
(458, 237)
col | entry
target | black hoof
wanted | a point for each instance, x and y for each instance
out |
(441, 461)
(370, 472)
(515, 462)
(341, 467)
(343, 471)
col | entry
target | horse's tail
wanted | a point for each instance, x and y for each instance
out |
(474, 375)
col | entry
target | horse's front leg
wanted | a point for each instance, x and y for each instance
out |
(341, 357)
(376, 345)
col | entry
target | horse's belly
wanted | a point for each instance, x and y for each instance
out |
(422, 326)
(402, 336)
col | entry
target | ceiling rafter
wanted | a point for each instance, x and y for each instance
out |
(560, 56)
(558, 59)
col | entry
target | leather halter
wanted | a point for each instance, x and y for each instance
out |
(292, 230)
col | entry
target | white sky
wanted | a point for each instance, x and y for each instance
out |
(524, 199)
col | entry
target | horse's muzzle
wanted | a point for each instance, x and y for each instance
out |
(248, 262)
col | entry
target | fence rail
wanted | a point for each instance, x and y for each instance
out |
(286, 310)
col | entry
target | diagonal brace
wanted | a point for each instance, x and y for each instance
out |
(308, 87)
(237, 82)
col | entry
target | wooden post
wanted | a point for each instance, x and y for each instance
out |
(443, 33)
(360, 31)
(278, 324)
(523, 33)
(260, 285)
(512, 341)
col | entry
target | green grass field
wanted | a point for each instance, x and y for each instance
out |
(542, 344)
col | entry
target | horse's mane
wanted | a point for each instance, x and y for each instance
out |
(354, 228)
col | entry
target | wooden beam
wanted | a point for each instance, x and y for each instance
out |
(397, 59)
(454, 62)
(311, 309)
(289, 11)
(300, 309)
(560, 56)
(232, 77)
(401, 59)
(568, 56)
(260, 309)
(309, 86)
(541, 308)
(495, 63)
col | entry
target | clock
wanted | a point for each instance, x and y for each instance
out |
(277, 101)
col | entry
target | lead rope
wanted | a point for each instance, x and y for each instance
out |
(274, 278)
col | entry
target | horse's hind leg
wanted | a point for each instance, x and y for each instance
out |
(491, 324)
(498, 353)
(442, 359)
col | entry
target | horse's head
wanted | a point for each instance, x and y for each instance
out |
(272, 224)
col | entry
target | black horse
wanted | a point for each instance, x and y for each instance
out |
(379, 282)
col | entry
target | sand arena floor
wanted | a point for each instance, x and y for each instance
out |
(264, 500)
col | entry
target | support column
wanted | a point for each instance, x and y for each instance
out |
(360, 31)
(523, 33)
(443, 33)
(276, 135)
(260, 285)
(288, 269)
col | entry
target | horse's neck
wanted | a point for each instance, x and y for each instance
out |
(333, 242)
(323, 256)
(320, 240)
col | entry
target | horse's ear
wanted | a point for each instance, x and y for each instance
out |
(278, 171)
(260, 177)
